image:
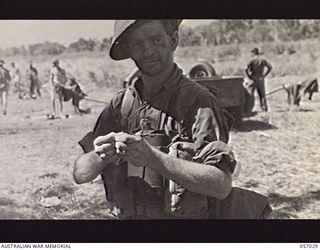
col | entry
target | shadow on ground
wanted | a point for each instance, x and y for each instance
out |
(293, 110)
(250, 114)
(290, 205)
(306, 110)
(250, 125)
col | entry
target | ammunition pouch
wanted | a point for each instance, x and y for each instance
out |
(147, 186)
(159, 141)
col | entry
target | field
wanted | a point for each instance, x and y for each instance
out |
(278, 150)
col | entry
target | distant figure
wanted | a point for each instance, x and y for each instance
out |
(256, 72)
(57, 79)
(294, 94)
(73, 91)
(297, 90)
(4, 86)
(32, 74)
(310, 87)
(16, 79)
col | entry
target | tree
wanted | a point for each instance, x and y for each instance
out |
(188, 37)
(105, 44)
(82, 45)
(261, 32)
(46, 48)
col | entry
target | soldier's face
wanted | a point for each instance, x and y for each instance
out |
(152, 48)
(255, 56)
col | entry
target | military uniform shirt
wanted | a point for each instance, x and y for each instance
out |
(180, 101)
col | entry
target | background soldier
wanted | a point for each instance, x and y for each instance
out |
(4, 86)
(16, 79)
(256, 72)
(57, 79)
(32, 74)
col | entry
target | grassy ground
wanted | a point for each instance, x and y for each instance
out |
(278, 150)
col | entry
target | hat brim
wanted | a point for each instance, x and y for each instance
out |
(117, 50)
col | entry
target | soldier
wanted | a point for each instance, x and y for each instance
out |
(256, 72)
(4, 86)
(57, 79)
(188, 170)
(34, 86)
(16, 79)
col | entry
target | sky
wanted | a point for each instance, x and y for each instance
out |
(24, 32)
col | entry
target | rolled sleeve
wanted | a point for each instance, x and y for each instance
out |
(210, 133)
(217, 154)
(211, 123)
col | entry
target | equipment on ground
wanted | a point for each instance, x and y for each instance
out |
(276, 90)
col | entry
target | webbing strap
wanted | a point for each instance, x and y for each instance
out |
(129, 96)
(127, 103)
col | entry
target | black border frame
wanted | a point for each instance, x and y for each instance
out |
(192, 9)
(186, 231)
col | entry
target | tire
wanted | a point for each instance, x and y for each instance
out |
(200, 70)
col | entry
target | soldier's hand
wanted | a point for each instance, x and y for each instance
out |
(133, 149)
(104, 146)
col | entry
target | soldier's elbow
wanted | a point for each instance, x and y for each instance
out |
(80, 176)
(224, 190)
(77, 179)
(224, 193)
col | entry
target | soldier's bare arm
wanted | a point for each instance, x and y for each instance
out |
(269, 68)
(196, 177)
(89, 165)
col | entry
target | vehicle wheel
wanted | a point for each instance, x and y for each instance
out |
(203, 69)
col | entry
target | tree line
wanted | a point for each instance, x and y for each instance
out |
(54, 48)
(217, 32)
(235, 31)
